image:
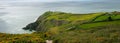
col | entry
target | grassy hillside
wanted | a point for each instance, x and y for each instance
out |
(103, 27)
(57, 19)
(101, 32)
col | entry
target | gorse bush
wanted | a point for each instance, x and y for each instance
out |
(21, 38)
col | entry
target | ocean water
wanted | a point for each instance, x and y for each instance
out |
(15, 16)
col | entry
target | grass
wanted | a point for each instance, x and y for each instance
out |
(116, 17)
(99, 24)
(106, 34)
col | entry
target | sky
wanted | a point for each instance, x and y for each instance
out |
(16, 14)
(53, 0)
(43, 0)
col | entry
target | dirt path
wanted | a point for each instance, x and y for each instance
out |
(48, 41)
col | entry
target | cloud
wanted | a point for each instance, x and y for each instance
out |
(57, 0)
(109, 4)
(98, 4)
(43, 0)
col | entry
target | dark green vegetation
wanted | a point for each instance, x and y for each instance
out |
(103, 27)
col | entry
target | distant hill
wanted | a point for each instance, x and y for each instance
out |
(61, 27)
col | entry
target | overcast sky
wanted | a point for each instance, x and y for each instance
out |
(55, 0)
(44, 0)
